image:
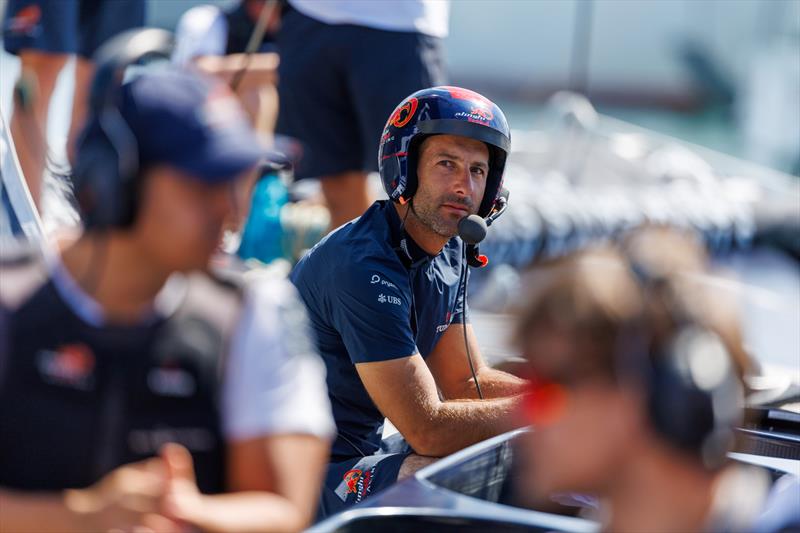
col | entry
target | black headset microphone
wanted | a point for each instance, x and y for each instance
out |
(472, 229)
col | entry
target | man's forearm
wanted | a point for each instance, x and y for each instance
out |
(454, 425)
(496, 384)
(38, 512)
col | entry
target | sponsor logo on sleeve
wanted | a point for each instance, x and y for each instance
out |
(443, 327)
(394, 300)
(376, 279)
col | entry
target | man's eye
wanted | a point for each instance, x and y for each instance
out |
(479, 171)
(447, 164)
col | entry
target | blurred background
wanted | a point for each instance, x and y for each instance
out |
(724, 74)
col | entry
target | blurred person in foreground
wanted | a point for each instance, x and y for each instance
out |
(215, 41)
(637, 373)
(44, 34)
(344, 65)
(138, 387)
(386, 297)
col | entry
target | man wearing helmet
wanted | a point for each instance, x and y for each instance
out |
(385, 295)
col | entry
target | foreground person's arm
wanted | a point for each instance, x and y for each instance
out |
(126, 497)
(273, 484)
(277, 423)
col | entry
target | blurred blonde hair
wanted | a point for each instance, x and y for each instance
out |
(656, 279)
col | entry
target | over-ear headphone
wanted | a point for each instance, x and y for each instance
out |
(693, 394)
(106, 171)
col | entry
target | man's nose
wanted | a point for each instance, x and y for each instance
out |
(463, 183)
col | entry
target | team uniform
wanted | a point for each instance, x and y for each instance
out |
(373, 295)
(344, 66)
(68, 26)
(213, 362)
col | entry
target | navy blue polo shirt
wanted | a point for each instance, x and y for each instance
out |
(374, 295)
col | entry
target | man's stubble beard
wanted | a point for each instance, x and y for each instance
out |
(427, 213)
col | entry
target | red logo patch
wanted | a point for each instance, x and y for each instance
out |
(71, 365)
(404, 113)
(351, 478)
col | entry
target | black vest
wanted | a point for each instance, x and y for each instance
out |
(78, 401)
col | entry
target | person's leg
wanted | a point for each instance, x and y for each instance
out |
(377, 86)
(39, 72)
(349, 482)
(42, 33)
(347, 196)
(316, 108)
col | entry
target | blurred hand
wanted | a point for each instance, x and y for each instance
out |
(183, 501)
(127, 499)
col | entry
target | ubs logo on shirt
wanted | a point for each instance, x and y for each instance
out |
(69, 365)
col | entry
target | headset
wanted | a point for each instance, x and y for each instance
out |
(105, 178)
(693, 394)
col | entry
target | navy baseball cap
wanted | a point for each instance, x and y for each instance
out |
(191, 122)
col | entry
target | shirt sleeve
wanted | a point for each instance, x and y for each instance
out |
(371, 310)
(275, 380)
(201, 31)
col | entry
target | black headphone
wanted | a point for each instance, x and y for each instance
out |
(694, 396)
(105, 178)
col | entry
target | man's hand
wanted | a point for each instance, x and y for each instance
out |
(183, 501)
(450, 368)
(127, 497)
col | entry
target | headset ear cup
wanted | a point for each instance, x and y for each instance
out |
(106, 171)
(96, 181)
(679, 411)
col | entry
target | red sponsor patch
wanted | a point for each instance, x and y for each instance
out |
(70, 365)
(404, 113)
(351, 478)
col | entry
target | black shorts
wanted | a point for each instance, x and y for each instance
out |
(349, 482)
(68, 26)
(339, 83)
